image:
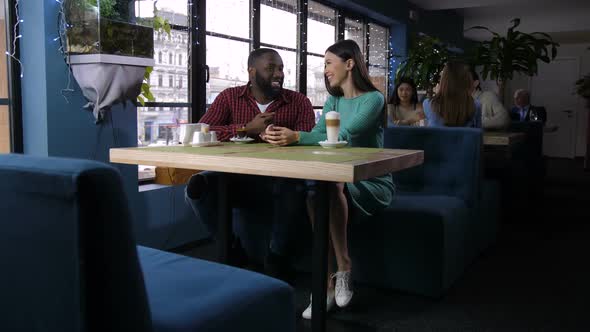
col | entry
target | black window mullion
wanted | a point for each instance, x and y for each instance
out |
(340, 25)
(255, 24)
(302, 45)
(198, 61)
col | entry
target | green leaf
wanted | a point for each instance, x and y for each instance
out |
(141, 100)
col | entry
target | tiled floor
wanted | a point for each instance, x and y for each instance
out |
(534, 279)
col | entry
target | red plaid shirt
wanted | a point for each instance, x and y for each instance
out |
(234, 107)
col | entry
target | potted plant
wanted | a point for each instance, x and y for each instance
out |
(516, 52)
(426, 59)
(108, 52)
(106, 27)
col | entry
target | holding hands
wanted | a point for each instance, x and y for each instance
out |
(280, 136)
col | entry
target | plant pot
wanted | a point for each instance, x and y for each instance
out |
(106, 79)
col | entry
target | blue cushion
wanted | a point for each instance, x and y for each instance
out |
(415, 245)
(187, 294)
(452, 161)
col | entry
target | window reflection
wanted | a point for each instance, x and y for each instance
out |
(228, 65)
(278, 23)
(229, 17)
(354, 29)
(321, 27)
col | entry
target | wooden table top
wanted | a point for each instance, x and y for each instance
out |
(502, 138)
(300, 162)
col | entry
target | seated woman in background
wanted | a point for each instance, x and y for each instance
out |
(452, 105)
(403, 108)
(493, 113)
(361, 109)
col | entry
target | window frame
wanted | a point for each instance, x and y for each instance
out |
(198, 75)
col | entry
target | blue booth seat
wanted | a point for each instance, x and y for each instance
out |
(70, 263)
(442, 216)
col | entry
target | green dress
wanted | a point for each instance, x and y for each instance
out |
(361, 126)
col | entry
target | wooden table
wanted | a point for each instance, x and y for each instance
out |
(299, 162)
(502, 138)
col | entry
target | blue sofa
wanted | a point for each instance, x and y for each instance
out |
(70, 263)
(442, 217)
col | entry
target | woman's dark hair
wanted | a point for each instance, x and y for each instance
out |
(474, 76)
(346, 50)
(394, 99)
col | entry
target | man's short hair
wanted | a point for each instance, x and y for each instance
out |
(256, 54)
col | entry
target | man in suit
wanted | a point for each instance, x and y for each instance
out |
(522, 108)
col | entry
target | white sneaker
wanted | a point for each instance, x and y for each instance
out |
(329, 304)
(343, 288)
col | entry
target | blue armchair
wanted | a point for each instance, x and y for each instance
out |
(441, 218)
(70, 263)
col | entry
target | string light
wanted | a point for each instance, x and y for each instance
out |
(16, 24)
(63, 26)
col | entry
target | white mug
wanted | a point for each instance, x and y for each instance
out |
(187, 131)
(213, 136)
(199, 137)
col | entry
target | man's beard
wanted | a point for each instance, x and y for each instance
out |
(266, 86)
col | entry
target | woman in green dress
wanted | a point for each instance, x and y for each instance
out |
(361, 110)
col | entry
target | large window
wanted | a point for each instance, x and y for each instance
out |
(228, 45)
(281, 14)
(158, 121)
(321, 33)
(203, 57)
(378, 56)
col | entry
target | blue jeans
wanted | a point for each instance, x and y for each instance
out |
(284, 198)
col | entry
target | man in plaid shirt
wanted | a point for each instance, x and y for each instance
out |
(261, 102)
(253, 107)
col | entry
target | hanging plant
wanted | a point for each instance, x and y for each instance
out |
(516, 52)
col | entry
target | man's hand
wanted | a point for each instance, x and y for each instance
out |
(259, 123)
(281, 136)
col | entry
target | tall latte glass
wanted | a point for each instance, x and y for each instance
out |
(332, 126)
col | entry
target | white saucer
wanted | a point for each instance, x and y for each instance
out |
(241, 140)
(215, 143)
(333, 145)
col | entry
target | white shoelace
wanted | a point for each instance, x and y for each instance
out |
(342, 280)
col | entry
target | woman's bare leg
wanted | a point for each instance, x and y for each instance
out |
(338, 226)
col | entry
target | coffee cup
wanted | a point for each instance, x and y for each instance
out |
(187, 131)
(332, 126)
(199, 137)
(213, 136)
(204, 128)
(241, 132)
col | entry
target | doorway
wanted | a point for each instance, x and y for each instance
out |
(554, 88)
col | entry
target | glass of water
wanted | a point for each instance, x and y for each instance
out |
(534, 115)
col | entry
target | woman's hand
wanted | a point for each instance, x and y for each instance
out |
(281, 136)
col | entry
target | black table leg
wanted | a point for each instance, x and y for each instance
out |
(224, 223)
(320, 258)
